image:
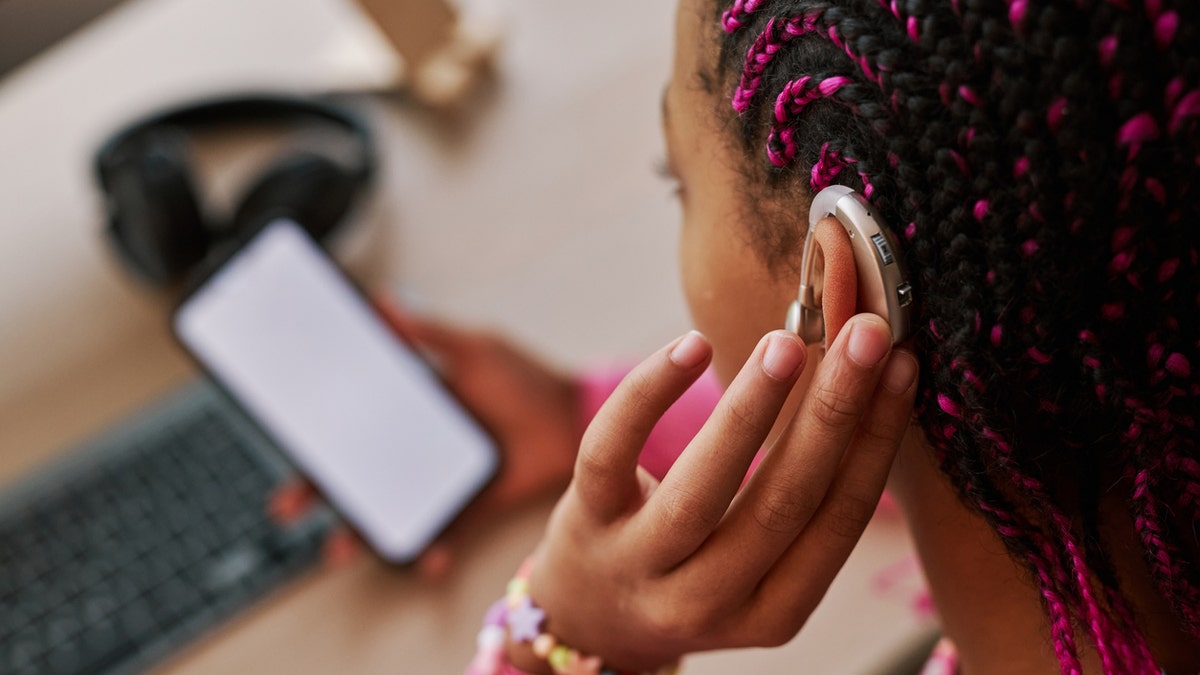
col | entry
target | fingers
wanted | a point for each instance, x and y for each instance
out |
(792, 481)
(427, 333)
(605, 470)
(795, 584)
(291, 501)
(695, 494)
(436, 563)
(341, 547)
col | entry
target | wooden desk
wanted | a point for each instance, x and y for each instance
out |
(536, 212)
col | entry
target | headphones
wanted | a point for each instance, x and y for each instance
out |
(155, 218)
(883, 287)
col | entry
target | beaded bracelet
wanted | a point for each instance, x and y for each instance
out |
(517, 617)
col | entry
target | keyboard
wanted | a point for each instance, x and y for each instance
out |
(139, 542)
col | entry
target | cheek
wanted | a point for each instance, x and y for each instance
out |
(732, 299)
(706, 282)
(694, 267)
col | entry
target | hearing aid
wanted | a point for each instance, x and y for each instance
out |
(883, 287)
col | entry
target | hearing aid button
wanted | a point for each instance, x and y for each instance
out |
(881, 245)
(904, 294)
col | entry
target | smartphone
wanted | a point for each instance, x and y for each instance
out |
(301, 349)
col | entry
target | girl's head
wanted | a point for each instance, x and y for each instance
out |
(1040, 165)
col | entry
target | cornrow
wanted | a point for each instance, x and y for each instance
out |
(1042, 162)
(830, 164)
(797, 94)
(732, 19)
(769, 41)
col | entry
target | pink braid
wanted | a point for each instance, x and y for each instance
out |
(911, 25)
(826, 168)
(1103, 633)
(861, 60)
(829, 165)
(1189, 497)
(791, 102)
(1041, 558)
(1162, 554)
(1040, 555)
(1059, 611)
(1141, 653)
(797, 94)
(1100, 626)
(732, 18)
(774, 36)
(1188, 107)
(1140, 650)
(762, 51)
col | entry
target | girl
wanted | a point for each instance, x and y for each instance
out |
(1039, 164)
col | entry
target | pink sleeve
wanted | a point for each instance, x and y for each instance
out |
(676, 428)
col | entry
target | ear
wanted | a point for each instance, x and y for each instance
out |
(839, 296)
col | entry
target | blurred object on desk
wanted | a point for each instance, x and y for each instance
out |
(162, 224)
(29, 26)
(445, 51)
(56, 109)
(438, 51)
(144, 539)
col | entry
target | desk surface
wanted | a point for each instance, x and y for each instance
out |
(535, 211)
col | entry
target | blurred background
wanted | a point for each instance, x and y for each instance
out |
(523, 200)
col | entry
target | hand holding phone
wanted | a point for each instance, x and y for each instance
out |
(364, 418)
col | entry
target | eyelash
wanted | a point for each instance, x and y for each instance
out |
(662, 167)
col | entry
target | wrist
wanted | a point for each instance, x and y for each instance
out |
(542, 646)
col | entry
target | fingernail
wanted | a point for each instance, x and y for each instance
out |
(869, 343)
(435, 563)
(784, 356)
(690, 351)
(340, 549)
(900, 372)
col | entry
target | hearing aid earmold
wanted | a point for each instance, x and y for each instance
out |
(883, 287)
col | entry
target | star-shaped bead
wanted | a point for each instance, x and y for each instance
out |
(525, 620)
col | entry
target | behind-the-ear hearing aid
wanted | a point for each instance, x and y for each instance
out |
(883, 288)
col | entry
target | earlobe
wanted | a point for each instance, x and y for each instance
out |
(839, 293)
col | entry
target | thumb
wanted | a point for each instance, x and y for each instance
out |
(436, 563)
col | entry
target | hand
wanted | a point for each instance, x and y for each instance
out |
(641, 573)
(530, 410)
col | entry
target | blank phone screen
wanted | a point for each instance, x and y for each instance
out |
(304, 353)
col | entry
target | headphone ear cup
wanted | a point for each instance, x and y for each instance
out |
(306, 187)
(154, 215)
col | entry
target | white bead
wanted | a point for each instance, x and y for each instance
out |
(490, 636)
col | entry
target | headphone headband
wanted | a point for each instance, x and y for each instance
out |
(235, 109)
(156, 216)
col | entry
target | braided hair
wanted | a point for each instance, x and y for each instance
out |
(1040, 162)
